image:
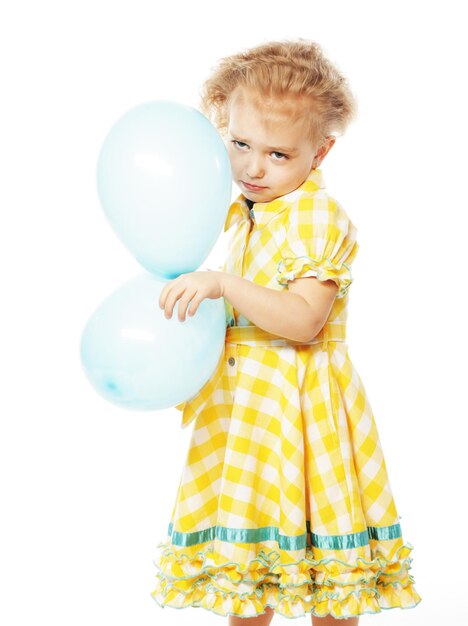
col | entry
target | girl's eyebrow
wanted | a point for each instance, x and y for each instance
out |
(271, 148)
(279, 149)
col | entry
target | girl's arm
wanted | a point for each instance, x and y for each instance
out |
(297, 314)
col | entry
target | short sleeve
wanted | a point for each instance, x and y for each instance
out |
(318, 239)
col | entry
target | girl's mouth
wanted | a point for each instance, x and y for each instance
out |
(252, 187)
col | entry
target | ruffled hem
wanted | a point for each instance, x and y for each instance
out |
(295, 267)
(328, 586)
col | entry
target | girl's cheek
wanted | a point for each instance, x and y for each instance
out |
(234, 158)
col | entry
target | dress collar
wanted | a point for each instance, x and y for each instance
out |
(262, 212)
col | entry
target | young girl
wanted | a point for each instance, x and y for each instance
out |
(284, 503)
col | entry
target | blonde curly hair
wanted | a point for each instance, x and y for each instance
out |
(280, 73)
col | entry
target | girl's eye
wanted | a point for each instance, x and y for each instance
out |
(278, 156)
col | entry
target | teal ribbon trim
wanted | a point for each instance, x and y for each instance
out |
(271, 533)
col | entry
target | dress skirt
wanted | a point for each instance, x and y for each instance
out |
(284, 498)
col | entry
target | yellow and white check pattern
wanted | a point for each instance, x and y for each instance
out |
(284, 499)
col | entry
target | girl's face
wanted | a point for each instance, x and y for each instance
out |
(271, 153)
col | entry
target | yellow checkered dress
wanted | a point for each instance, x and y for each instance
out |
(284, 499)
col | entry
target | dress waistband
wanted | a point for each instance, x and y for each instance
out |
(256, 336)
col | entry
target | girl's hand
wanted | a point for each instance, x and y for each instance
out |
(191, 289)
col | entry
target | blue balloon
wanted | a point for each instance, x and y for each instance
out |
(164, 181)
(137, 359)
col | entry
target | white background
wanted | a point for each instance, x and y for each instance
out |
(87, 488)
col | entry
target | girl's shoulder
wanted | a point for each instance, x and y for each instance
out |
(316, 208)
(315, 238)
(313, 196)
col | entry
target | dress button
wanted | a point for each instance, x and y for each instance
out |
(232, 360)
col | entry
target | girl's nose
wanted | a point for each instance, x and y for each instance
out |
(255, 168)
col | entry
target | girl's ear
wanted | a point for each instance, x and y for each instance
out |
(325, 147)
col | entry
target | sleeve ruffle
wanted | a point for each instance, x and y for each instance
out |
(300, 267)
(318, 239)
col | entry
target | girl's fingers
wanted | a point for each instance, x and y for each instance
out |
(181, 294)
(170, 301)
(170, 296)
(184, 304)
(194, 303)
(165, 291)
(163, 296)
